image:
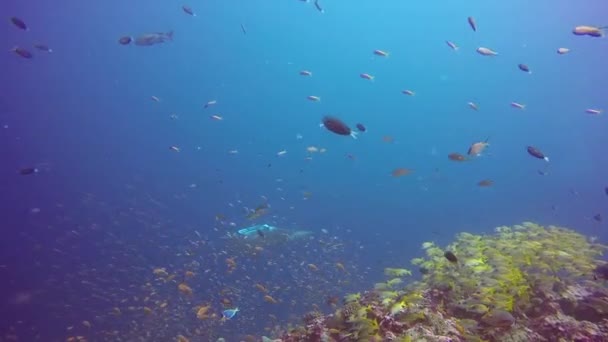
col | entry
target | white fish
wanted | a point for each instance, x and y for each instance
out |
(486, 51)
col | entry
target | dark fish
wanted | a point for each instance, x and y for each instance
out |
(336, 125)
(261, 234)
(43, 47)
(19, 23)
(319, 7)
(450, 256)
(28, 171)
(188, 10)
(542, 173)
(485, 183)
(598, 217)
(423, 270)
(606, 190)
(524, 68)
(601, 272)
(22, 52)
(332, 300)
(456, 157)
(126, 40)
(536, 153)
(361, 128)
(472, 23)
(243, 29)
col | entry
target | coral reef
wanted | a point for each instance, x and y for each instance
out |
(522, 283)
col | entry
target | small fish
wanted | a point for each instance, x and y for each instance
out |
(281, 153)
(21, 52)
(452, 45)
(261, 234)
(473, 105)
(524, 68)
(472, 23)
(381, 53)
(28, 171)
(592, 31)
(229, 313)
(484, 51)
(563, 50)
(216, 117)
(188, 10)
(398, 172)
(477, 148)
(485, 183)
(408, 92)
(606, 190)
(305, 73)
(126, 40)
(542, 172)
(174, 148)
(149, 39)
(451, 257)
(19, 23)
(210, 103)
(313, 98)
(367, 77)
(518, 105)
(318, 6)
(598, 217)
(43, 47)
(155, 98)
(593, 111)
(536, 153)
(454, 156)
(243, 29)
(337, 126)
(361, 128)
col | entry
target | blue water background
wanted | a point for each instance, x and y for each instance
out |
(83, 116)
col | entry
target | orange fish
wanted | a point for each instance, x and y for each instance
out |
(270, 300)
(261, 288)
(477, 148)
(592, 31)
(401, 172)
(388, 139)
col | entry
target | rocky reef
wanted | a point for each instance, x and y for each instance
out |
(521, 283)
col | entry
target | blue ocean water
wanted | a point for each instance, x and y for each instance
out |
(111, 202)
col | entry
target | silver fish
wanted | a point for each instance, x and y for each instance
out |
(149, 39)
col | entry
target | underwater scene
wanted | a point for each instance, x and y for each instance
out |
(304, 170)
